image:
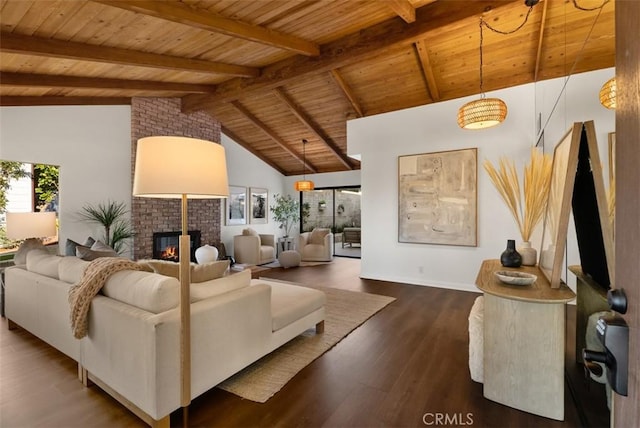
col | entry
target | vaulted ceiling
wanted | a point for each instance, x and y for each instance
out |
(276, 72)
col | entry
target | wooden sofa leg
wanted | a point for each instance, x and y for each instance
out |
(161, 423)
(11, 325)
(320, 327)
(83, 376)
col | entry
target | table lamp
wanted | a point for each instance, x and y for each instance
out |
(30, 226)
(181, 168)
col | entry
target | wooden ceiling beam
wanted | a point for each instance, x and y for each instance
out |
(403, 9)
(51, 81)
(351, 49)
(247, 146)
(204, 20)
(543, 22)
(271, 134)
(427, 70)
(25, 45)
(308, 122)
(18, 101)
(348, 92)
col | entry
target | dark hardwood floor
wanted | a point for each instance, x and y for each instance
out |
(408, 361)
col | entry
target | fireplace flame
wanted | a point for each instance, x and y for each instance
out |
(169, 253)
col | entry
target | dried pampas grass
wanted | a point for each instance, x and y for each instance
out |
(537, 178)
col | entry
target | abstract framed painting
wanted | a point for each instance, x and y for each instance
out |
(438, 198)
(259, 204)
(236, 206)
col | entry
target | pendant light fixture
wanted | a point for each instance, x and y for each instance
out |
(487, 112)
(304, 185)
(484, 112)
(608, 94)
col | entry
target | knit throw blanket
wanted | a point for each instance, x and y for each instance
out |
(93, 279)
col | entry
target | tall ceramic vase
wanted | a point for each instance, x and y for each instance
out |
(528, 253)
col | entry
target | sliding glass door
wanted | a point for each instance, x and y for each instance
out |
(337, 209)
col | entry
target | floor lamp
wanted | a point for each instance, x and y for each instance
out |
(181, 168)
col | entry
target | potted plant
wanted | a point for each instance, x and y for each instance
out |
(286, 211)
(111, 216)
(537, 181)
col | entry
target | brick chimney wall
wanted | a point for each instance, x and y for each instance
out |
(157, 117)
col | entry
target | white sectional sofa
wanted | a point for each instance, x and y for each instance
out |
(132, 349)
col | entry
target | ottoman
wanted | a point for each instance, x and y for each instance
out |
(289, 259)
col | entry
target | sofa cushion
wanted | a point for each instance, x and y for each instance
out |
(289, 303)
(214, 287)
(199, 273)
(43, 263)
(148, 291)
(252, 232)
(317, 236)
(70, 269)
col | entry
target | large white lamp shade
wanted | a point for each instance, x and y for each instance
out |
(31, 225)
(169, 167)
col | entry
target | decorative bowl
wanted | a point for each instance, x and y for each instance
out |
(516, 278)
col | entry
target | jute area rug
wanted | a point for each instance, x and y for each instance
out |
(344, 312)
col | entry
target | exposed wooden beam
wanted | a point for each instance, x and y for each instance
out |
(308, 122)
(348, 92)
(62, 101)
(543, 21)
(403, 9)
(184, 14)
(279, 141)
(350, 49)
(26, 45)
(251, 150)
(51, 81)
(427, 70)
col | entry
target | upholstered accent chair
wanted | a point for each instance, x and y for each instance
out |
(316, 246)
(252, 248)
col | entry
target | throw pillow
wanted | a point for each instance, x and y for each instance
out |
(71, 245)
(249, 232)
(317, 236)
(207, 271)
(98, 249)
(199, 273)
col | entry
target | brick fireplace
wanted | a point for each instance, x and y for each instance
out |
(162, 116)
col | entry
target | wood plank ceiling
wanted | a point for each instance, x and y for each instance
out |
(275, 72)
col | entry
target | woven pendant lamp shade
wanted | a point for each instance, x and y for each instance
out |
(304, 185)
(482, 113)
(608, 94)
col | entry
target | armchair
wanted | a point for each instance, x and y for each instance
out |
(252, 248)
(316, 246)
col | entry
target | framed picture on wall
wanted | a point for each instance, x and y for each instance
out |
(236, 206)
(437, 198)
(259, 205)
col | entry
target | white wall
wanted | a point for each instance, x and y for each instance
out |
(92, 146)
(381, 139)
(246, 170)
